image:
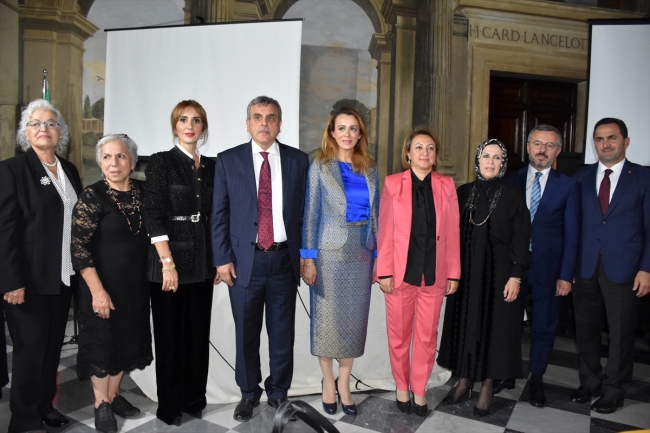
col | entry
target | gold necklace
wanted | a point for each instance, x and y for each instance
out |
(494, 205)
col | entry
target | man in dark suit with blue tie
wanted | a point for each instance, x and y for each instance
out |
(553, 201)
(613, 265)
(259, 193)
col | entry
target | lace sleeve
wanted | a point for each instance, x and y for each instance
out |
(85, 218)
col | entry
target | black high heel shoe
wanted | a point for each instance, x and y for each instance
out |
(347, 409)
(329, 408)
(403, 406)
(455, 400)
(421, 411)
(478, 412)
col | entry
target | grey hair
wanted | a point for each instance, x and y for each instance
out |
(546, 128)
(130, 145)
(41, 104)
(263, 100)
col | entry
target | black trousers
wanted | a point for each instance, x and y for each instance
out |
(181, 331)
(594, 298)
(37, 329)
(271, 292)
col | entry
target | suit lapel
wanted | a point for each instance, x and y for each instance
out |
(287, 179)
(590, 187)
(520, 181)
(552, 183)
(437, 198)
(248, 168)
(624, 180)
(406, 199)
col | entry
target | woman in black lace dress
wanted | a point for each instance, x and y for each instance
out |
(109, 249)
(481, 338)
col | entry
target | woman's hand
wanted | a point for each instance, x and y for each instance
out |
(452, 286)
(102, 304)
(308, 272)
(512, 289)
(386, 285)
(15, 297)
(170, 280)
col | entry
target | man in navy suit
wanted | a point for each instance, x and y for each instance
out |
(553, 201)
(613, 265)
(260, 263)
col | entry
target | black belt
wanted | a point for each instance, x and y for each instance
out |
(276, 246)
(193, 218)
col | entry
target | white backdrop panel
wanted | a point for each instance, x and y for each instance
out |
(619, 85)
(223, 67)
(373, 367)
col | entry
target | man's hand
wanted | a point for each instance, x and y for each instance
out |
(562, 288)
(227, 273)
(642, 284)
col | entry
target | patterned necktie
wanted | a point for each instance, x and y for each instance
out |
(536, 196)
(265, 205)
(603, 192)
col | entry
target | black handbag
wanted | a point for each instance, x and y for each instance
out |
(154, 266)
(304, 412)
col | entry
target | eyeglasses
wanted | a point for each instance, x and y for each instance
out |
(49, 124)
(550, 146)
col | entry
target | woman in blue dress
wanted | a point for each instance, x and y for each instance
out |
(339, 249)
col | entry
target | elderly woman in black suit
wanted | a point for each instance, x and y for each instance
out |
(178, 199)
(39, 190)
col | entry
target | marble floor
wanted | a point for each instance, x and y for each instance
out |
(510, 412)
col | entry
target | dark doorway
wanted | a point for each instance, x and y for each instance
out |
(518, 104)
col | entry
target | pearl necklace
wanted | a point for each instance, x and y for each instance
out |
(48, 164)
(135, 203)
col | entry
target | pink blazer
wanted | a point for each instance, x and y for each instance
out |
(395, 213)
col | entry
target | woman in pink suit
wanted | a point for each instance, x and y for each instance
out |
(418, 263)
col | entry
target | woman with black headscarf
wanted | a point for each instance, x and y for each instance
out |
(481, 339)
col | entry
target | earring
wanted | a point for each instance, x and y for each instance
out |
(408, 160)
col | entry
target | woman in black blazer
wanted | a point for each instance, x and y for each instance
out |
(177, 202)
(39, 191)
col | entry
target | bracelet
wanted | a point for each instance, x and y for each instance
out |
(307, 264)
(171, 268)
(167, 259)
(515, 279)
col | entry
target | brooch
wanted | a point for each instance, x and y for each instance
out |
(45, 181)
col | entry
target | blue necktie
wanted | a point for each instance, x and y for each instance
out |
(536, 196)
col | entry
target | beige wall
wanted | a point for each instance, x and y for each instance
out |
(516, 36)
(53, 33)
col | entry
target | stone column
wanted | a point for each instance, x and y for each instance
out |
(380, 50)
(53, 39)
(401, 14)
(442, 29)
(423, 69)
(9, 75)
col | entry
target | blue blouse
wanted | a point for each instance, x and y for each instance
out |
(356, 194)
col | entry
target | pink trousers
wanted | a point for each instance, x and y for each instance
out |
(412, 316)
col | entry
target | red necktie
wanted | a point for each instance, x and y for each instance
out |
(265, 205)
(603, 192)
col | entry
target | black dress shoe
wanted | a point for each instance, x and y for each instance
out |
(244, 410)
(55, 419)
(122, 407)
(503, 384)
(607, 404)
(421, 410)
(584, 394)
(536, 396)
(105, 419)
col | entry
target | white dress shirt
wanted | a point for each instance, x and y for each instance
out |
(613, 176)
(530, 179)
(279, 232)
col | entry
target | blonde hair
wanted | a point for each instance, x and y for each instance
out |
(361, 162)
